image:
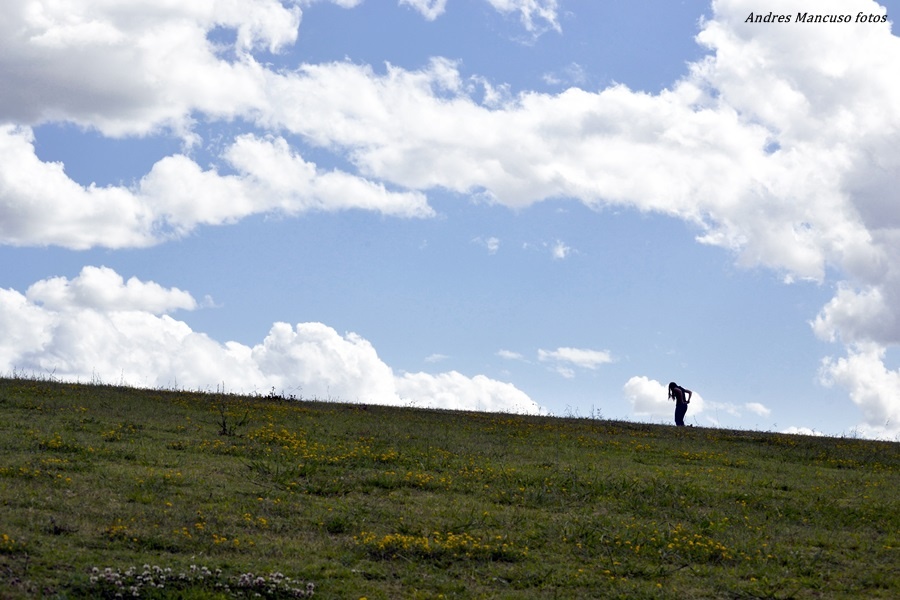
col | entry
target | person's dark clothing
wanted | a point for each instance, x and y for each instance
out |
(680, 411)
(682, 397)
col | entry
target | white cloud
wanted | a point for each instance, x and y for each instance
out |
(271, 178)
(565, 360)
(560, 250)
(710, 162)
(858, 315)
(278, 173)
(25, 327)
(323, 363)
(536, 15)
(133, 68)
(650, 398)
(492, 243)
(510, 355)
(872, 387)
(341, 3)
(102, 289)
(99, 326)
(430, 9)
(793, 430)
(564, 371)
(759, 409)
(456, 391)
(40, 204)
(787, 209)
(711, 152)
(573, 74)
(436, 358)
(419, 129)
(578, 357)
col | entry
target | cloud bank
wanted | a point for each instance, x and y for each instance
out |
(41, 205)
(97, 326)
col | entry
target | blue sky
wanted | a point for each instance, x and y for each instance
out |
(544, 206)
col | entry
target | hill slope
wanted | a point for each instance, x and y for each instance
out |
(286, 497)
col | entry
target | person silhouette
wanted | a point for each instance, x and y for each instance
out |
(682, 397)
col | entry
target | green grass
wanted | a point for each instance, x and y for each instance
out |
(381, 502)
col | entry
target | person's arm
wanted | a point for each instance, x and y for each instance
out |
(689, 393)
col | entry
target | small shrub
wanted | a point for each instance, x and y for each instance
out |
(227, 427)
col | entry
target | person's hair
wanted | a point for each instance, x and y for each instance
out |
(672, 386)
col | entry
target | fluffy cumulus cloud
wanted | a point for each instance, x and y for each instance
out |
(98, 326)
(101, 288)
(649, 398)
(131, 69)
(873, 387)
(456, 391)
(40, 204)
(771, 185)
(780, 145)
(802, 431)
(777, 144)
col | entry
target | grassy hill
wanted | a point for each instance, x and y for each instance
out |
(107, 490)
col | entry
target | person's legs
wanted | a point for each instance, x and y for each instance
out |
(680, 410)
